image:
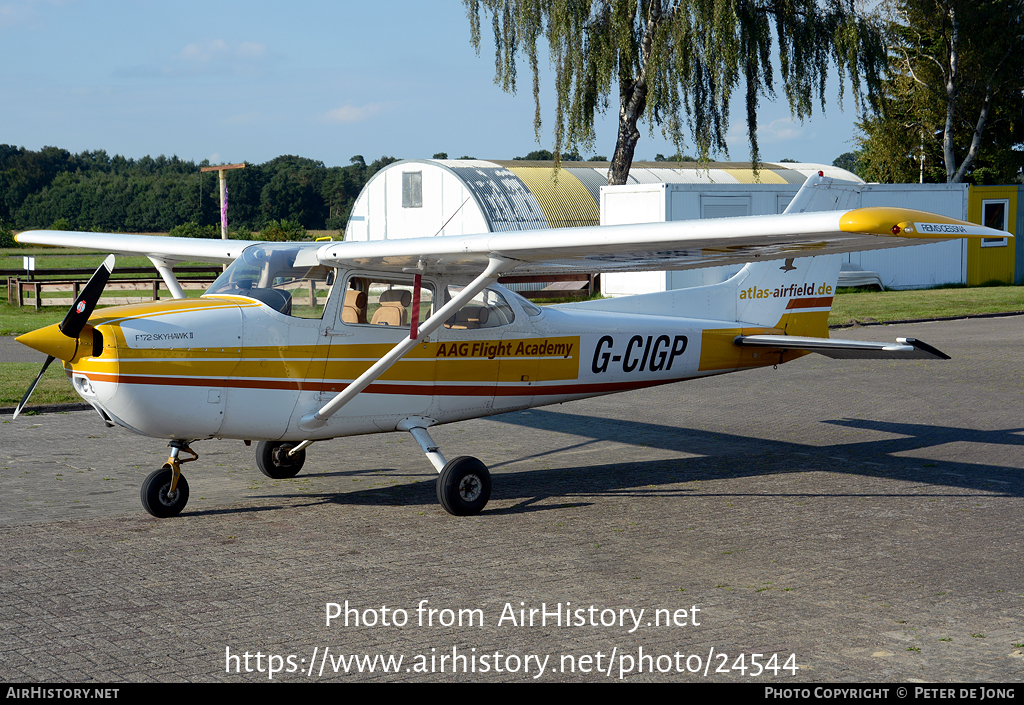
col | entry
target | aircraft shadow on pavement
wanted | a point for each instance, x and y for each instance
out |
(719, 456)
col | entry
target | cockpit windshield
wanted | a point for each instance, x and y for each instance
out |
(285, 276)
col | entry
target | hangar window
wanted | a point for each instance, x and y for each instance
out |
(412, 189)
(994, 214)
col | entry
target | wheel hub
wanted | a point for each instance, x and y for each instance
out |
(470, 487)
(168, 498)
(281, 457)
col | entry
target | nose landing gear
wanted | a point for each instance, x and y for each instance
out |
(165, 491)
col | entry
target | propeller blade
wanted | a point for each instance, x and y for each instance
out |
(80, 311)
(24, 399)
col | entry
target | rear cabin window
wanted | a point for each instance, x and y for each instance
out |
(488, 309)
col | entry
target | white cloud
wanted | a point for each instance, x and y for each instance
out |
(213, 57)
(351, 113)
(217, 50)
(251, 50)
(205, 52)
(782, 130)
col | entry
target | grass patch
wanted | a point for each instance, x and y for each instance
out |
(868, 306)
(54, 387)
(15, 321)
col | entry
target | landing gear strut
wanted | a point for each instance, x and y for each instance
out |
(463, 483)
(165, 491)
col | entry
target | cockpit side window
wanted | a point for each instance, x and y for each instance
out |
(287, 277)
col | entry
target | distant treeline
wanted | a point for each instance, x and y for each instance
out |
(53, 188)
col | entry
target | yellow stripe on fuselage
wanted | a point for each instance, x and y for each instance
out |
(152, 309)
(477, 361)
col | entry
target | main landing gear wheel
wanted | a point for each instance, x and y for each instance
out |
(464, 486)
(157, 498)
(274, 462)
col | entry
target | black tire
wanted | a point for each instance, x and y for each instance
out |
(273, 460)
(464, 486)
(156, 496)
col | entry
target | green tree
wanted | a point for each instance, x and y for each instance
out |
(544, 155)
(953, 106)
(284, 231)
(849, 161)
(190, 229)
(677, 157)
(678, 61)
(6, 236)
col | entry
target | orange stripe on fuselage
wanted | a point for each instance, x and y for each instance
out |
(818, 302)
(470, 390)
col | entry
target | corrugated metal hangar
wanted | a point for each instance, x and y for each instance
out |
(418, 198)
(423, 198)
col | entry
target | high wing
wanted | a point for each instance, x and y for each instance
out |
(163, 252)
(167, 249)
(684, 244)
(655, 246)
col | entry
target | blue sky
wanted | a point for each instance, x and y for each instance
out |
(248, 81)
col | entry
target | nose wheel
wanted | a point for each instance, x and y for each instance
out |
(165, 491)
(157, 496)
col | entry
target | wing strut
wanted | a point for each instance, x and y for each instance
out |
(495, 266)
(167, 274)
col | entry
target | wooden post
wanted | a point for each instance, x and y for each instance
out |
(39, 296)
(223, 191)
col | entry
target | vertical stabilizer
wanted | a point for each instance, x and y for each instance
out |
(820, 193)
(793, 295)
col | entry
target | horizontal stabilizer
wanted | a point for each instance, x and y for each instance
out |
(902, 349)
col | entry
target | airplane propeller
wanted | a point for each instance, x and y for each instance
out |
(64, 339)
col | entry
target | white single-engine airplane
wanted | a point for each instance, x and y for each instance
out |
(303, 342)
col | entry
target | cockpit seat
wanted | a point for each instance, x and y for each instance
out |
(468, 318)
(393, 308)
(354, 310)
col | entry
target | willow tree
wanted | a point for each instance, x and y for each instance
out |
(676, 63)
